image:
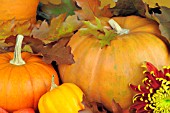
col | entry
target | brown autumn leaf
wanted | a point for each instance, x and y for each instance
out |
(35, 44)
(56, 2)
(129, 7)
(60, 26)
(4, 47)
(91, 9)
(58, 52)
(92, 107)
(116, 108)
(164, 21)
(41, 31)
(55, 51)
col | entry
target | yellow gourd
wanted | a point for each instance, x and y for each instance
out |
(66, 98)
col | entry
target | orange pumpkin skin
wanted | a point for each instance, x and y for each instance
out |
(22, 86)
(18, 10)
(104, 74)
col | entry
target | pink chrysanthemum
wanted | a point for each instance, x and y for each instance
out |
(154, 96)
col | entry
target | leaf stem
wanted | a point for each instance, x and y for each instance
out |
(17, 59)
(117, 27)
(53, 85)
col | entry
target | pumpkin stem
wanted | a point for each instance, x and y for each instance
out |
(117, 27)
(53, 85)
(17, 59)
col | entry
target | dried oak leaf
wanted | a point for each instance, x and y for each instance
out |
(91, 9)
(92, 107)
(128, 7)
(13, 27)
(41, 31)
(55, 51)
(56, 2)
(152, 3)
(4, 47)
(164, 21)
(35, 44)
(59, 27)
(58, 52)
(116, 108)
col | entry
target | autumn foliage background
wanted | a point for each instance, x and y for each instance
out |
(58, 20)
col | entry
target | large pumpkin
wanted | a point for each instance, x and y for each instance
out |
(18, 10)
(105, 73)
(24, 78)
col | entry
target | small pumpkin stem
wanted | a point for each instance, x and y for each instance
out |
(53, 85)
(17, 59)
(117, 27)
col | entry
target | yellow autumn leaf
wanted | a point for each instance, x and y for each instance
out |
(13, 27)
(107, 2)
(160, 2)
(27, 48)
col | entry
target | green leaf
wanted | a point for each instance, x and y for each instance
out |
(70, 25)
(106, 38)
(99, 31)
(91, 28)
(66, 6)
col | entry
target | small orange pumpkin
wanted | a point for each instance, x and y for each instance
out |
(66, 98)
(24, 78)
(18, 10)
(104, 73)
